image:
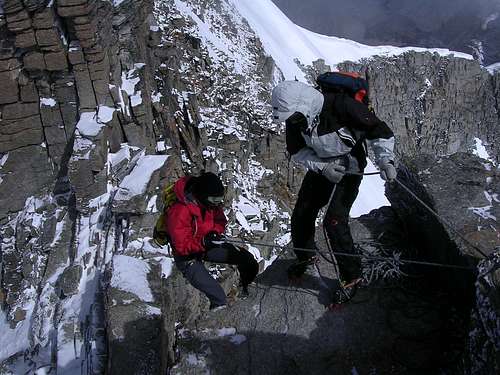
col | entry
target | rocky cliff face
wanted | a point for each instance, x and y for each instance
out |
(441, 109)
(435, 104)
(105, 102)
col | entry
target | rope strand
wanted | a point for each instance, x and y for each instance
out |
(422, 263)
(440, 218)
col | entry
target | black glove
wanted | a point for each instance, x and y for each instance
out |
(212, 239)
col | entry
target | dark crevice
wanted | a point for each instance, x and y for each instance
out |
(448, 295)
(62, 188)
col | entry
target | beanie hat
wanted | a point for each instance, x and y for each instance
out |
(208, 185)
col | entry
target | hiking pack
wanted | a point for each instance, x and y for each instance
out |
(160, 235)
(349, 82)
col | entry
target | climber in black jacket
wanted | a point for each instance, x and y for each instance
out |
(327, 133)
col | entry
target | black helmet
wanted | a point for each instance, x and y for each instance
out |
(208, 189)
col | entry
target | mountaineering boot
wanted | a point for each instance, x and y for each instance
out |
(298, 268)
(344, 293)
(236, 293)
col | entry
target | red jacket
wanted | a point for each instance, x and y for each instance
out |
(188, 222)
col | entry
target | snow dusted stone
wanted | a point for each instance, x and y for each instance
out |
(37, 179)
(442, 102)
(69, 281)
(463, 189)
(134, 317)
(143, 178)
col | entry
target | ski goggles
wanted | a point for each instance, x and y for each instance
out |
(216, 201)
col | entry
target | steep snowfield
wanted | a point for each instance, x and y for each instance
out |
(285, 41)
(493, 68)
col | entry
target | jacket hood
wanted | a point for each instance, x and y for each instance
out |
(180, 187)
(289, 97)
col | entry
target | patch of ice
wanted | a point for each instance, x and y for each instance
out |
(480, 150)
(122, 154)
(13, 340)
(130, 275)
(156, 97)
(162, 147)
(483, 212)
(48, 102)
(270, 261)
(246, 208)
(136, 99)
(3, 160)
(105, 114)
(82, 145)
(226, 331)
(284, 239)
(88, 125)
(255, 252)
(151, 310)
(136, 182)
(238, 339)
(128, 83)
(59, 230)
(151, 206)
(166, 266)
(493, 68)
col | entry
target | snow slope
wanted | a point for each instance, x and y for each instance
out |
(285, 41)
(493, 68)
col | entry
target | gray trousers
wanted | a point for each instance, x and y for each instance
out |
(198, 276)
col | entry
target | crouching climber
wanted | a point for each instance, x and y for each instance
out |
(195, 224)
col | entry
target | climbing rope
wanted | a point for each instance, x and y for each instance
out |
(339, 253)
(441, 219)
(433, 212)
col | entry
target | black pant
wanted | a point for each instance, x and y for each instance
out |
(196, 273)
(314, 193)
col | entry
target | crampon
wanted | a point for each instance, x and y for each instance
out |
(344, 294)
